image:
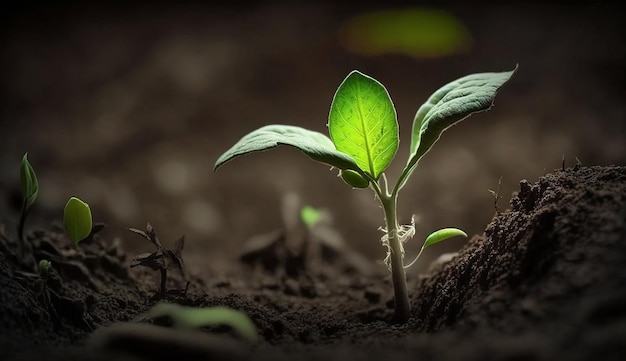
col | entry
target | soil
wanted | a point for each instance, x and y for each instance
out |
(128, 107)
(545, 281)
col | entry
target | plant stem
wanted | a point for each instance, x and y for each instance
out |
(163, 280)
(20, 226)
(398, 276)
(20, 230)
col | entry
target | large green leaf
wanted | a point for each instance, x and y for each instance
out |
(452, 103)
(314, 144)
(362, 123)
(449, 105)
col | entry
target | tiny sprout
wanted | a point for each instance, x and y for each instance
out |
(44, 267)
(77, 220)
(310, 216)
(28, 181)
(496, 196)
(184, 317)
(30, 189)
(364, 139)
(162, 259)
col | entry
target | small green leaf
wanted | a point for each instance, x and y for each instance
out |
(442, 235)
(28, 182)
(77, 219)
(189, 317)
(314, 144)
(449, 105)
(310, 216)
(362, 123)
(354, 179)
(44, 266)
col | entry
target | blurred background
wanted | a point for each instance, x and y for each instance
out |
(128, 107)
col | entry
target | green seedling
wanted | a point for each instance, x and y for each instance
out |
(43, 267)
(310, 216)
(77, 220)
(184, 317)
(30, 189)
(364, 139)
(326, 242)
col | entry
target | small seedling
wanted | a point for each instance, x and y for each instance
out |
(326, 242)
(44, 268)
(364, 139)
(30, 189)
(310, 216)
(162, 259)
(77, 220)
(496, 196)
(184, 317)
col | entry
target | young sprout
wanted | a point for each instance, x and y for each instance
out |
(43, 268)
(77, 220)
(162, 259)
(310, 216)
(184, 317)
(364, 139)
(30, 189)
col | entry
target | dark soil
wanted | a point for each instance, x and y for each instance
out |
(546, 281)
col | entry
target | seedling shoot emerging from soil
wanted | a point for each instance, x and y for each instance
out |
(77, 219)
(162, 259)
(30, 189)
(364, 139)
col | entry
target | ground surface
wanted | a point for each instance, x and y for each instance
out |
(128, 107)
(544, 282)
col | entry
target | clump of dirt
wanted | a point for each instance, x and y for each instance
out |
(550, 269)
(546, 281)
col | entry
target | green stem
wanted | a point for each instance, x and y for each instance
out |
(20, 229)
(20, 226)
(398, 276)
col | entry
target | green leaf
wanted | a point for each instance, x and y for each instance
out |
(189, 317)
(314, 144)
(450, 104)
(442, 235)
(362, 123)
(44, 267)
(354, 179)
(28, 182)
(310, 216)
(77, 219)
